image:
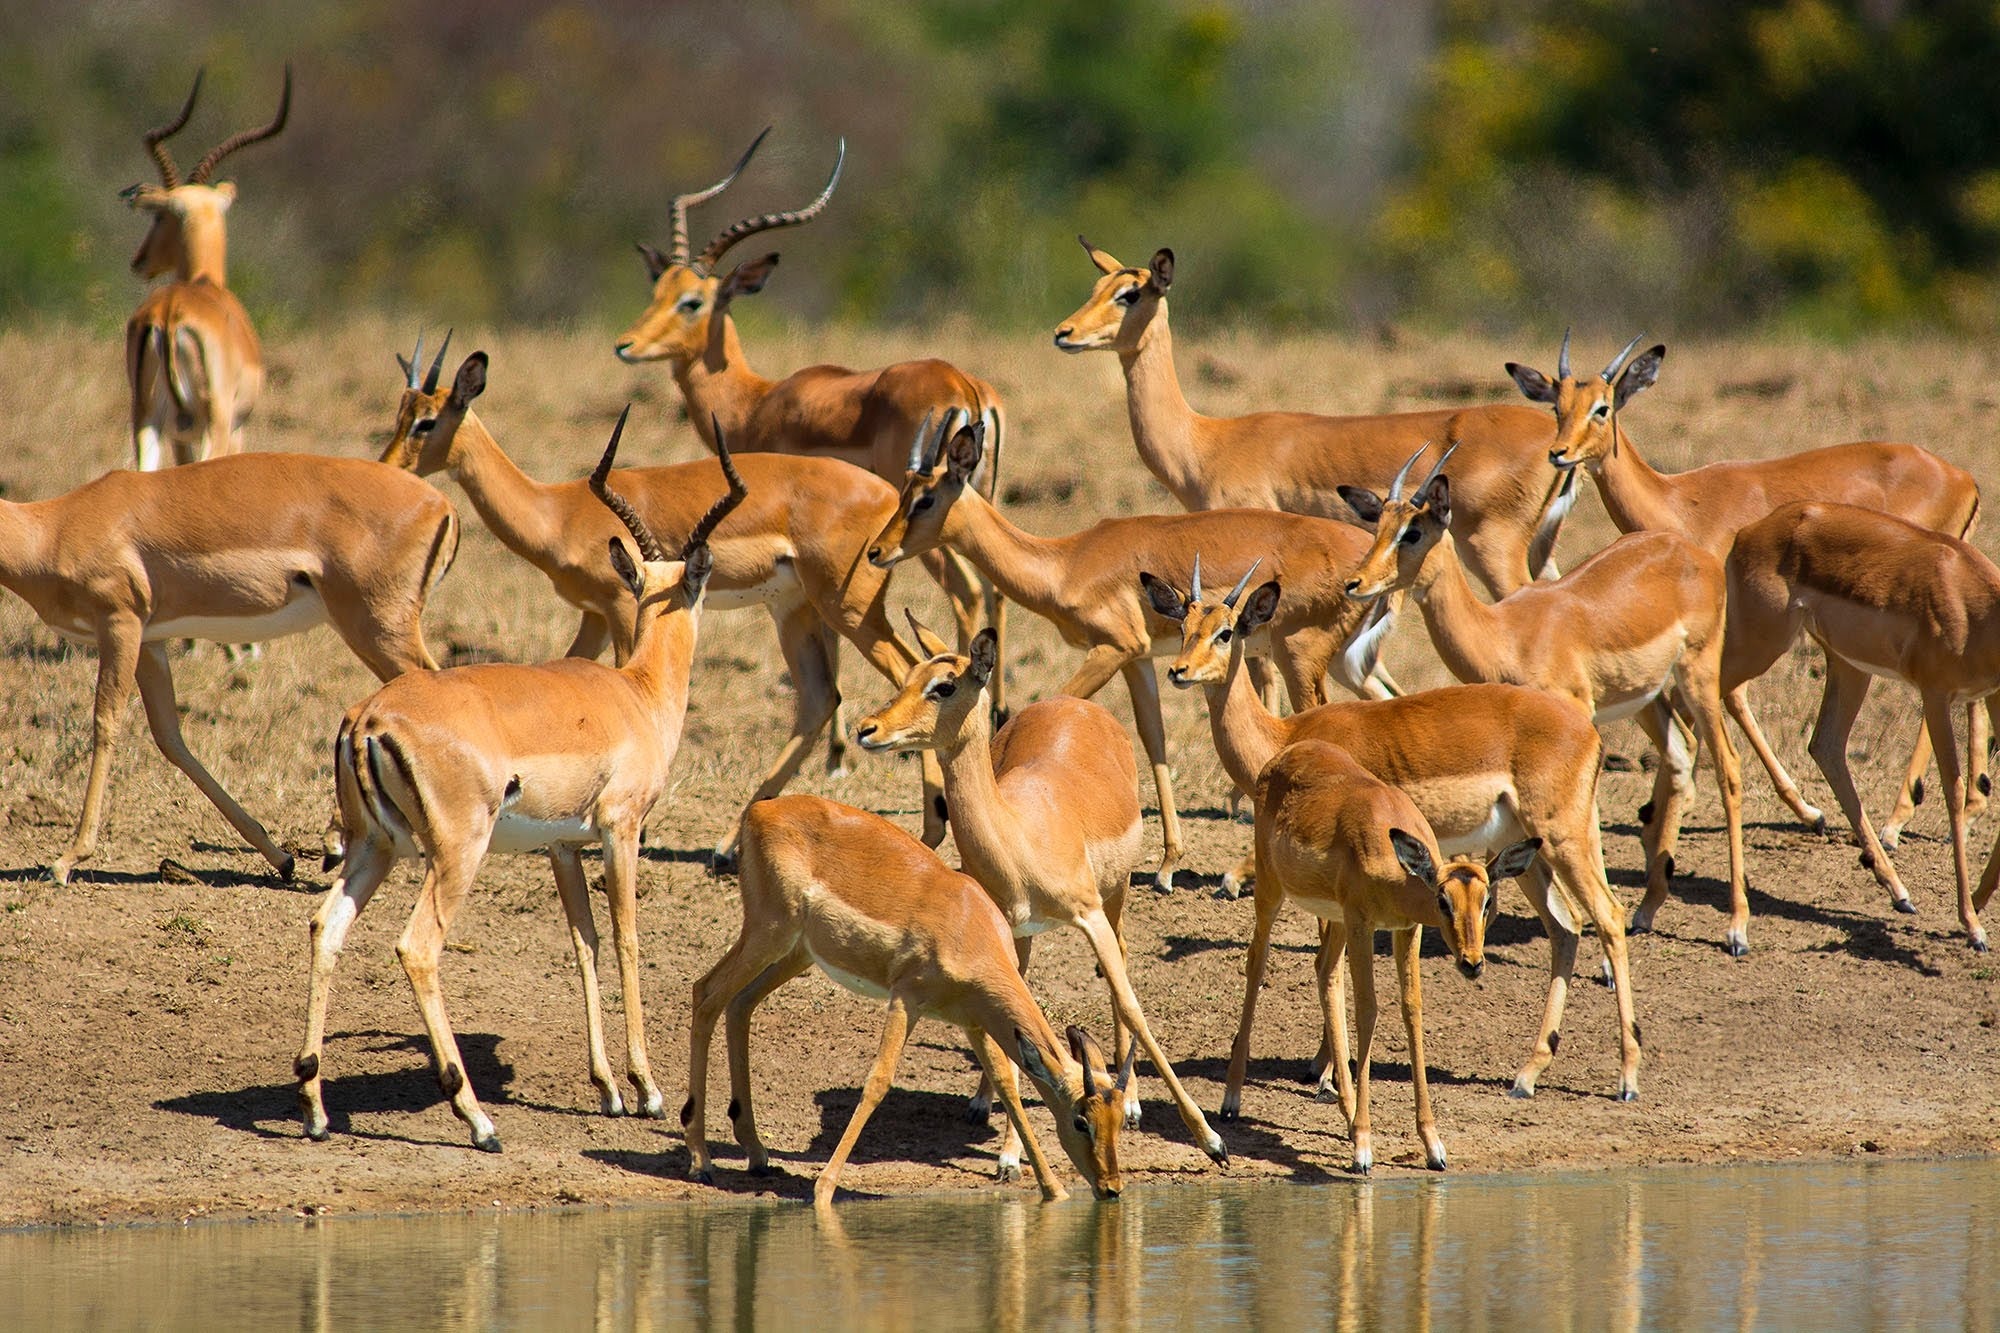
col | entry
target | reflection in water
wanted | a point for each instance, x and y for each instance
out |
(1884, 1243)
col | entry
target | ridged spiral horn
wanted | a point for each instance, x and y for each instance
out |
(748, 227)
(678, 210)
(156, 138)
(214, 157)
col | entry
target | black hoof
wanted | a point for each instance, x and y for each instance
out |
(318, 1135)
(1819, 826)
(1979, 944)
(703, 1175)
(330, 863)
(1737, 948)
(978, 1113)
(491, 1143)
(287, 867)
(1226, 1114)
(1628, 1095)
(722, 863)
(1906, 907)
(761, 1170)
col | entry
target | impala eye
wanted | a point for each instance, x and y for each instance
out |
(1082, 1123)
(1411, 536)
(1224, 634)
(942, 689)
(1601, 411)
(922, 502)
(688, 305)
(424, 427)
(1128, 297)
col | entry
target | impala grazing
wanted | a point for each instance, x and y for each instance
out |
(1512, 501)
(1356, 853)
(1486, 764)
(1046, 817)
(236, 550)
(1630, 631)
(879, 913)
(1709, 505)
(452, 765)
(192, 359)
(795, 548)
(868, 418)
(1883, 597)
(1086, 585)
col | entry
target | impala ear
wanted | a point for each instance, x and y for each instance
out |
(1164, 597)
(1161, 270)
(985, 653)
(747, 278)
(930, 643)
(470, 381)
(626, 568)
(962, 455)
(696, 569)
(656, 263)
(1534, 385)
(1513, 860)
(1413, 855)
(1436, 497)
(1258, 608)
(1367, 505)
(225, 194)
(1639, 375)
(1029, 1057)
(1103, 261)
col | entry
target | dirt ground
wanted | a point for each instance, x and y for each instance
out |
(149, 1011)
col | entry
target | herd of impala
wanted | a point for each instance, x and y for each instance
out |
(1305, 533)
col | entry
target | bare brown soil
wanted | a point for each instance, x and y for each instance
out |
(149, 1013)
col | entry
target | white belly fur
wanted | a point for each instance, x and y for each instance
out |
(516, 833)
(859, 985)
(783, 585)
(295, 617)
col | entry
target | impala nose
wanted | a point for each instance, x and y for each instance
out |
(1472, 971)
(1353, 587)
(624, 350)
(874, 555)
(1177, 674)
(864, 732)
(1064, 334)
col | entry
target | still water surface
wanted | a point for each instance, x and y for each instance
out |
(1910, 1244)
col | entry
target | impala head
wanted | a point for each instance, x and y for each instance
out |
(1587, 408)
(427, 417)
(187, 215)
(929, 492)
(1121, 306)
(690, 294)
(940, 697)
(1467, 897)
(1407, 528)
(1088, 1104)
(656, 575)
(1212, 628)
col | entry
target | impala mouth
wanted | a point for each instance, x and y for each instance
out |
(1471, 971)
(1178, 677)
(884, 559)
(1561, 463)
(1066, 342)
(871, 739)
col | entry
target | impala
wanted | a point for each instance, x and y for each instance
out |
(1486, 764)
(1883, 597)
(1356, 853)
(192, 360)
(497, 757)
(1086, 585)
(1513, 502)
(794, 548)
(1710, 504)
(1046, 818)
(883, 916)
(236, 550)
(1633, 628)
(867, 418)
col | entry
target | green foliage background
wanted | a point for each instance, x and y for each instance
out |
(1829, 167)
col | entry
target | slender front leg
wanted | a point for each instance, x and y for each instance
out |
(621, 864)
(757, 948)
(895, 1031)
(1846, 690)
(1577, 861)
(979, 1108)
(1121, 1034)
(1536, 886)
(1361, 966)
(118, 637)
(369, 859)
(814, 701)
(1737, 701)
(1673, 782)
(156, 691)
(593, 635)
(1269, 899)
(1104, 943)
(1911, 792)
(1145, 687)
(1937, 714)
(1409, 945)
(999, 1070)
(1702, 696)
(1336, 1080)
(574, 892)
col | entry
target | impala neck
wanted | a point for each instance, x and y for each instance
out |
(719, 384)
(989, 836)
(1637, 498)
(1246, 735)
(1163, 425)
(1028, 570)
(1464, 629)
(204, 250)
(662, 662)
(527, 516)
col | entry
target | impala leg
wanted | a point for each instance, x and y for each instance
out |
(999, 1070)
(979, 1107)
(1701, 696)
(1937, 714)
(1303, 659)
(1673, 782)
(1264, 680)
(574, 892)
(1497, 555)
(1145, 687)
(960, 581)
(1104, 943)
(1270, 897)
(421, 946)
(1737, 701)
(621, 873)
(736, 1023)
(996, 616)
(1978, 748)
(836, 734)
(895, 1031)
(117, 662)
(1990, 877)
(1577, 861)
(1409, 945)
(1535, 884)
(385, 632)
(156, 690)
(368, 862)
(1846, 690)
(757, 948)
(1121, 1034)
(888, 655)
(814, 700)
(1336, 1077)
(1361, 965)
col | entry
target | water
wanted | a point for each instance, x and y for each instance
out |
(1910, 1244)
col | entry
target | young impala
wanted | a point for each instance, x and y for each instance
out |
(793, 548)
(1883, 597)
(867, 418)
(1486, 764)
(1046, 818)
(192, 360)
(1085, 584)
(879, 913)
(1630, 631)
(1709, 505)
(1356, 853)
(454, 765)
(1512, 503)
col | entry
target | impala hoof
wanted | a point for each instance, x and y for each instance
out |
(287, 868)
(978, 1110)
(1819, 825)
(703, 1175)
(491, 1143)
(1906, 907)
(721, 862)
(1215, 1150)
(1229, 1112)
(1435, 1158)
(1979, 942)
(1009, 1170)
(1736, 944)
(760, 1168)
(1522, 1092)
(1628, 1094)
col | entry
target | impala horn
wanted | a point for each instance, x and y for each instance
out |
(1438, 467)
(748, 227)
(247, 137)
(1396, 486)
(1241, 584)
(721, 508)
(682, 202)
(600, 486)
(1562, 358)
(1194, 591)
(170, 175)
(920, 444)
(411, 362)
(437, 364)
(1610, 372)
